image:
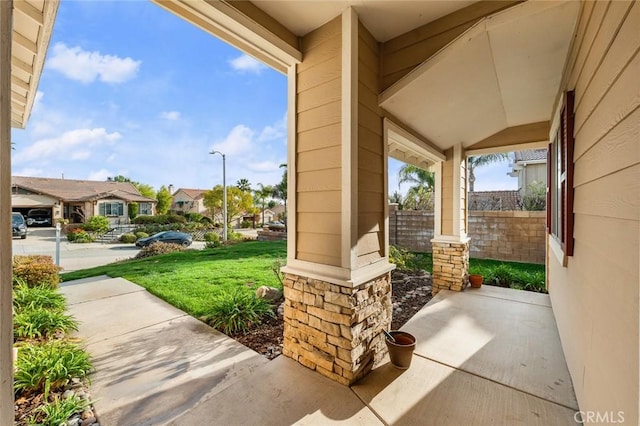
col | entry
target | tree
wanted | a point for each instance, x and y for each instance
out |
(237, 201)
(244, 185)
(164, 200)
(479, 161)
(280, 191)
(262, 193)
(420, 194)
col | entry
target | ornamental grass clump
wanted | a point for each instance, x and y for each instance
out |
(237, 311)
(36, 323)
(41, 296)
(49, 367)
(58, 411)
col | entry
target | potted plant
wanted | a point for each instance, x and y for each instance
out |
(475, 280)
(400, 346)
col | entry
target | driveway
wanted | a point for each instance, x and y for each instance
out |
(75, 256)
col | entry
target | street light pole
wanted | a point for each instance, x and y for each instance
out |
(224, 195)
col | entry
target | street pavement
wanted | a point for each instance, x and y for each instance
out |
(75, 256)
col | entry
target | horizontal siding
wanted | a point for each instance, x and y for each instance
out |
(595, 298)
(320, 159)
(319, 138)
(318, 152)
(617, 150)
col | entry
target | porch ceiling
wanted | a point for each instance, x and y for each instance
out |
(384, 19)
(32, 26)
(503, 72)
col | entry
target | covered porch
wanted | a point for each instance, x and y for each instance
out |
(484, 357)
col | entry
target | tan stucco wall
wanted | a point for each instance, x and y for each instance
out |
(371, 193)
(405, 52)
(318, 146)
(595, 298)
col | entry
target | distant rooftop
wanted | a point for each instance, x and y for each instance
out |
(531, 155)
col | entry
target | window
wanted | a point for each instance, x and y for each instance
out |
(112, 209)
(560, 177)
(144, 208)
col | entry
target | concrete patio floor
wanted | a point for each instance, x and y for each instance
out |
(490, 356)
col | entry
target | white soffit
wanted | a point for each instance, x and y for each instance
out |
(505, 71)
(384, 19)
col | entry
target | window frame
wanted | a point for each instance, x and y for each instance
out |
(149, 208)
(560, 191)
(102, 209)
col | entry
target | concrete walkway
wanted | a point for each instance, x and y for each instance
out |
(485, 357)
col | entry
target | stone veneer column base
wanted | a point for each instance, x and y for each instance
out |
(336, 330)
(450, 265)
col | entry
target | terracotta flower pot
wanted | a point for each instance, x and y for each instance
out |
(401, 351)
(475, 280)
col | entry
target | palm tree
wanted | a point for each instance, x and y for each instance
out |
(482, 160)
(244, 185)
(280, 191)
(420, 195)
(261, 195)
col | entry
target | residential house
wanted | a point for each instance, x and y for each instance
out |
(529, 166)
(78, 200)
(428, 83)
(189, 201)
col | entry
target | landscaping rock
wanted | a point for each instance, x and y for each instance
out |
(268, 293)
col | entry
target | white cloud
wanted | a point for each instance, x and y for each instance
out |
(170, 115)
(245, 63)
(264, 166)
(100, 175)
(72, 144)
(276, 131)
(80, 65)
(237, 142)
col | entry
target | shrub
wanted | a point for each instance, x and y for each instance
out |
(234, 236)
(236, 311)
(128, 238)
(212, 237)
(58, 411)
(501, 276)
(97, 225)
(141, 234)
(144, 220)
(158, 248)
(35, 270)
(176, 218)
(193, 217)
(25, 297)
(206, 220)
(79, 236)
(49, 366)
(535, 198)
(246, 224)
(401, 257)
(35, 323)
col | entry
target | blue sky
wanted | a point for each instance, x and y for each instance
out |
(131, 89)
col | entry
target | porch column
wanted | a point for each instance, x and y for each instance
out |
(6, 304)
(450, 243)
(337, 279)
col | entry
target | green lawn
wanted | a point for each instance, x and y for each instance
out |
(189, 280)
(522, 276)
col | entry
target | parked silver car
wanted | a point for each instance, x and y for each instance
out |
(18, 225)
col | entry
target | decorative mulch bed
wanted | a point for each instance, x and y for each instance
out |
(411, 290)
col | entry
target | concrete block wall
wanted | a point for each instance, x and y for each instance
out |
(517, 236)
